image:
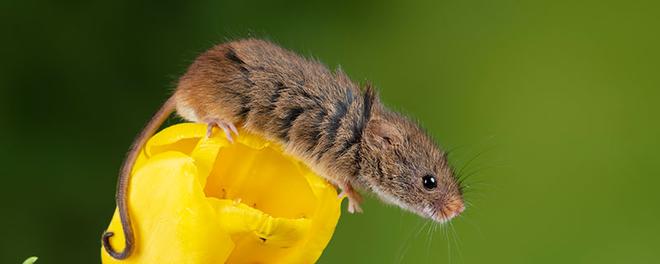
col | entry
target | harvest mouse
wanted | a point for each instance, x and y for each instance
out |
(342, 132)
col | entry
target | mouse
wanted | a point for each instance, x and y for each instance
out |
(342, 131)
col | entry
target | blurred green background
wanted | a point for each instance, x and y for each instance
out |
(557, 102)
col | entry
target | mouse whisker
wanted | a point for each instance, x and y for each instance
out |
(428, 240)
(403, 249)
(444, 230)
(453, 149)
(456, 240)
(474, 158)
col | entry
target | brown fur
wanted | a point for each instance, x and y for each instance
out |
(344, 134)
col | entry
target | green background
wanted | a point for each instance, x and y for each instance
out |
(557, 100)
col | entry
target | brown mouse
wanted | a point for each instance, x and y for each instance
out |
(343, 133)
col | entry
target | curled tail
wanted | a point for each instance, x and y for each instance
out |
(122, 185)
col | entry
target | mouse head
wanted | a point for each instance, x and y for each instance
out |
(403, 165)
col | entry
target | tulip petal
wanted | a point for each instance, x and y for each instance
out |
(195, 199)
(172, 221)
(180, 137)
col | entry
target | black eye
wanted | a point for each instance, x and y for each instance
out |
(429, 182)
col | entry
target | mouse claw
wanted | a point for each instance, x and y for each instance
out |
(353, 207)
(354, 198)
(227, 127)
(227, 133)
(233, 128)
(209, 129)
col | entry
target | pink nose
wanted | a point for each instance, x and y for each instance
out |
(452, 208)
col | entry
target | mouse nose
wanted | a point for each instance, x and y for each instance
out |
(451, 209)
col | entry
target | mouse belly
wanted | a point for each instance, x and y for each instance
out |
(186, 112)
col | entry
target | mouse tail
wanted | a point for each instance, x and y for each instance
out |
(122, 185)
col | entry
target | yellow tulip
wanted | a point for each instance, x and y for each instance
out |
(195, 199)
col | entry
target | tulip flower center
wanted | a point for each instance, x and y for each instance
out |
(262, 179)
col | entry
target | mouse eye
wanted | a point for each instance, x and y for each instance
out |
(429, 182)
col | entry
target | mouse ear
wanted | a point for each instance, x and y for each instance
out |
(382, 133)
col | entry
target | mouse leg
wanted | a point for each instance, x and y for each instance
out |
(227, 127)
(354, 198)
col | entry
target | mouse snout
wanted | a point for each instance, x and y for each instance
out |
(449, 209)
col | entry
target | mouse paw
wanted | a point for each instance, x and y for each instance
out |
(354, 198)
(227, 127)
(353, 206)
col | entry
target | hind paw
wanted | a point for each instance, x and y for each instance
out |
(227, 127)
